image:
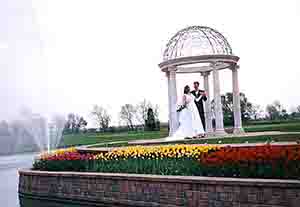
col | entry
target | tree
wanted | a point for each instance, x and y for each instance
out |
(227, 106)
(101, 117)
(74, 123)
(284, 114)
(4, 128)
(150, 121)
(278, 106)
(272, 111)
(127, 115)
(70, 124)
(256, 111)
(276, 111)
(246, 107)
(298, 109)
(80, 123)
(142, 110)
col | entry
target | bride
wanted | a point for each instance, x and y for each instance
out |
(190, 125)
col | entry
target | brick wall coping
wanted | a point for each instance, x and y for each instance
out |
(170, 179)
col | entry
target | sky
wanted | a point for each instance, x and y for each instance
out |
(61, 56)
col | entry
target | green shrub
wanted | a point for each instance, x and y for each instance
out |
(180, 167)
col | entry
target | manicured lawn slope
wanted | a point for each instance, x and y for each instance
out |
(87, 139)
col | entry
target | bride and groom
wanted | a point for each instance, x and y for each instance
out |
(191, 114)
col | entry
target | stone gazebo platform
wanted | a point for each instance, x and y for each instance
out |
(202, 50)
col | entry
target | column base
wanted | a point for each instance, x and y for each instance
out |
(171, 132)
(239, 130)
(219, 132)
(209, 133)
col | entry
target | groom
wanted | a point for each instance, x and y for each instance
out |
(200, 93)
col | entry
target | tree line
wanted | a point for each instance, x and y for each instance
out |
(253, 112)
(144, 115)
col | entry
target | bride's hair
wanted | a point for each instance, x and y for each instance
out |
(186, 89)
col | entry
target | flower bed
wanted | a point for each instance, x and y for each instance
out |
(265, 161)
(162, 160)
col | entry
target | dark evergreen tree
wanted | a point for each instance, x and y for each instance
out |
(150, 121)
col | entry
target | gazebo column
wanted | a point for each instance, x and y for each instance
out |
(172, 94)
(218, 104)
(208, 112)
(236, 102)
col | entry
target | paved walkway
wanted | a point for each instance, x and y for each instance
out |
(249, 134)
(149, 142)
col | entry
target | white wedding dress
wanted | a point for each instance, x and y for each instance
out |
(190, 124)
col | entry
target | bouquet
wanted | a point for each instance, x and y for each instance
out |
(180, 108)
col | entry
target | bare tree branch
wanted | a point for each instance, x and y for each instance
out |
(101, 117)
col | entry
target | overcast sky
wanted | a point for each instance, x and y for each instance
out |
(60, 56)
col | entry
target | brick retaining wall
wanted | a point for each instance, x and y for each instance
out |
(147, 190)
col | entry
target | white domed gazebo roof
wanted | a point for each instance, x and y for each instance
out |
(196, 40)
(197, 47)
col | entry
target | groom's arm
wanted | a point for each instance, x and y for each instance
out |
(194, 93)
(203, 97)
(197, 96)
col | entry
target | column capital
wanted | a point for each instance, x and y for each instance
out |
(206, 73)
(167, 74)
(235, 67)
(172, 69)
(171, 72)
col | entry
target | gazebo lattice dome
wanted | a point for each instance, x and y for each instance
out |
(196, 41)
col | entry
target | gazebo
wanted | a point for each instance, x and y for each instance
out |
(202, 50)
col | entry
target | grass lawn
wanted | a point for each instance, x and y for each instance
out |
(88, 139)
(102, 138)
(283, 127)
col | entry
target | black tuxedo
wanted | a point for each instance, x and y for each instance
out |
(199, 105)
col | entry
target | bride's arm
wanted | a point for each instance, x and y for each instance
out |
(184, 102)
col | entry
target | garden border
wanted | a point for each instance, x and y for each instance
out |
(155, 190)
